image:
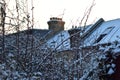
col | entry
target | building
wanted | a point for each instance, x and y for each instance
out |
(102, 32)
(38, 36)
(101, 37)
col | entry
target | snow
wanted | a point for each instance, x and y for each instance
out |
(5, 73)
(113, 65)
(58, 39)
(116, 50)
(10, 55)
(89, 61)
(87, 28)
(102, 57)
(110, 37)
(108, 65)
(111, 71)
(37, 73)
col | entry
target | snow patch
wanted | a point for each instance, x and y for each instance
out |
(111, 71)
(61, 39)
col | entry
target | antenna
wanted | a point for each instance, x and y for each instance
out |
(87, 14)
(61, 15)
(71, 22)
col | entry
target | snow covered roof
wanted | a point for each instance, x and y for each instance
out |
(106, 32)
(60, 40)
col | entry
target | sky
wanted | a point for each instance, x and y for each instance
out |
(74, 10)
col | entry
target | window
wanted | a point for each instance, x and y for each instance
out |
(108, 30)
(100, 38)
(104, 33)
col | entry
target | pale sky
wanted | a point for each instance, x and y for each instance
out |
(74, 9)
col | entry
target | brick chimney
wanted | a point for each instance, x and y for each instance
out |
(56, 24)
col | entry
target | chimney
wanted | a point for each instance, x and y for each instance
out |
(56, 24)
(75, 38)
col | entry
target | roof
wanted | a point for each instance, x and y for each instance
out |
(60, 41)
(106, 32)
(40, 32)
